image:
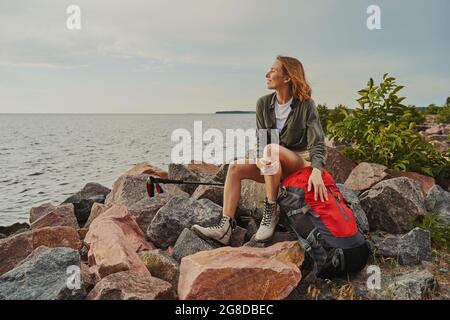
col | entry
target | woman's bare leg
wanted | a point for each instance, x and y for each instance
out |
(232, 190)
(289, 162)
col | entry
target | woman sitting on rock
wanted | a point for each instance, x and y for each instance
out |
(292, 112)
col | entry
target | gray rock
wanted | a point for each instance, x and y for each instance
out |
(181, 172)
(393, 205)
(438, 201)
(85, 198)
(161, 266)
(413, 285)
(213, 193)
(145, 210)
(13, 229)
(354, 204)
(2, 236)
(180, 213)
(338, 165)
(237, 238)
(251, 202)
(43, 275)
(365, 175)
(189, 243)
(409, 249)
(127, 190)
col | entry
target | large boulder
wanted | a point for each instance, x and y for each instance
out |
(213, 193)
(251, 202)
(241, 273)
(409, 249)
(42, 210)
(128, 190)
(128, 285)
(13, 229)
(16, 248)
(63, 215)
(44, 275)
(114, 239)
(96, 210)
(146, 168)
(338, 165)
(425, 182)
(438, 201)
(189, 243)
(180, 213)
(203, 169)
(365, 175)
(85, 198)
(182, 172)
(413, 285)
(352, 201)
(393, 205)
(162, 266)
(145, 210)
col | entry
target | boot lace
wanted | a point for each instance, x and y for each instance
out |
(269, 210)
(221, 223)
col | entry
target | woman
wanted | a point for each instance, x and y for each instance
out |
(292, 112)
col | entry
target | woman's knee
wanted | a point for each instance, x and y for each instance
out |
(234, 169)
(272, 149)
(238, 170)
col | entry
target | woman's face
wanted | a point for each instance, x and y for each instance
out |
(275, 76)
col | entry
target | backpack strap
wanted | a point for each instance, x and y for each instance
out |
(312, 244)
(302, 210)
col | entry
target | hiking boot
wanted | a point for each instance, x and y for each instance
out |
(220, 232)
(268, 223)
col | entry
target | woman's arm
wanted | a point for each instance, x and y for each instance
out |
(316, 137)
(317, 151)
(260, 124)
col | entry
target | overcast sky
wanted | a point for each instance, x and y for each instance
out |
(201, 56)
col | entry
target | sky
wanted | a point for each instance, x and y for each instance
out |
(201, 56)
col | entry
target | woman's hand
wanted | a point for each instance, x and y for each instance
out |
(315, 180)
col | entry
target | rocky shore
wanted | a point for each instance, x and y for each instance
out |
(125, 245)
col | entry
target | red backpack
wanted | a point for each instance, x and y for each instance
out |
(327, 230)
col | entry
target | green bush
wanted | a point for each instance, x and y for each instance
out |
(328, 117)
(443, 115)
(323, 115)
(432, 109)
(439, 230)
(382, 130)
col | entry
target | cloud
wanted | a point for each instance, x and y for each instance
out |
(204, 53)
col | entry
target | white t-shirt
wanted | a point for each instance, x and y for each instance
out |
(282, 112)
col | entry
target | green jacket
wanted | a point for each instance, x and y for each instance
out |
(301, 131)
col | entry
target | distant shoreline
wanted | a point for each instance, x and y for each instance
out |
(236, 111)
